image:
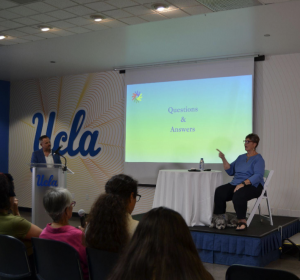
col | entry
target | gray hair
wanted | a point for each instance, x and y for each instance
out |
(55, 201)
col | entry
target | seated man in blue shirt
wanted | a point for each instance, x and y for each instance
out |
(248, 171)
(45, 154)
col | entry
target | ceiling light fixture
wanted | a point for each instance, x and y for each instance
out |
(97, 17)
(2, 37)
(44, 28)
(159, 7)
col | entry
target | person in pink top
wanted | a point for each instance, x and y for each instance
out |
(59, 205)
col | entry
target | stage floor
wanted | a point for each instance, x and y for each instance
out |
(257, 227)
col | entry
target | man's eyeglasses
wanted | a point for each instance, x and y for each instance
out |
(247, 141)
(73, 204)
(138, 197)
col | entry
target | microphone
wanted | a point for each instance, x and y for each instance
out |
(57, 150)
(81, 214)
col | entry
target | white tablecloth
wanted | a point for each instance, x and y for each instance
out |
(189, 193)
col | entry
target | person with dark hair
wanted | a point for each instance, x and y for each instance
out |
(248, 171)
(11, 224)
(109, 224)
(161, 248)
(45, 154)
(12, 196)
(59, 205)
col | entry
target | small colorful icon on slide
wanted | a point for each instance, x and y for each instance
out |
(137, 97)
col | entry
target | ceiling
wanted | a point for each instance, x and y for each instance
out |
(133, 33)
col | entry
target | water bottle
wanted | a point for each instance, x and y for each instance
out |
(201, 164)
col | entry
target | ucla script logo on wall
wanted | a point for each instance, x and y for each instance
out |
(137, 97)
(78, 141)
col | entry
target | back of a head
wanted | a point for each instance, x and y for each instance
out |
(108, 218)
(55, 202)
(4, 193)
(161, 248)
(121, 185)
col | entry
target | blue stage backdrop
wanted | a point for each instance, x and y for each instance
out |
(4, 125)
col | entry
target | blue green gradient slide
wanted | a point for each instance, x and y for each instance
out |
(181, 121)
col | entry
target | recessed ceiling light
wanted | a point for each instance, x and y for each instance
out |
(44, 28)
(2, 37)
(97, 17)
(159, 7)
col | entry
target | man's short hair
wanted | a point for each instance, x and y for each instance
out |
(42, 137)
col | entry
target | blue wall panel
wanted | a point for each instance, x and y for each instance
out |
(4, 125)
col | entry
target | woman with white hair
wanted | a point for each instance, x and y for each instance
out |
(59, 205)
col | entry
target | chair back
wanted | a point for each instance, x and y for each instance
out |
(100, 263)
(267, 176)
(238, 272)
(56, 260)
(13, 258)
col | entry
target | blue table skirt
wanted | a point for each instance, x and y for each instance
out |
(232, 249)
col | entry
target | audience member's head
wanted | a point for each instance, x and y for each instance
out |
(4, 193)
(161, 248)
(58, 204)
(108, 218)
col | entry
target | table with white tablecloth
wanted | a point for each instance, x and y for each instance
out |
(189, 193)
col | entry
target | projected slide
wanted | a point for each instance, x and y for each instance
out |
(181, 121)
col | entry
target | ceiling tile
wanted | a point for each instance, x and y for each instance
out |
(15, 33)
(61, 32)
(79, 21)
(61, 4)
(121, 3)
(61, 14)
(7, 42)
(184, 3)
(78, 29)
(139, 10)
(113, 23)
(48, 35)
(174, 14)
(41, 7)
(117, 14)
(8, 15)
(96, 26)
(133, 20)
(18, 40)
(273, 1)
(32, 38)
(10, 24)
(85, 1)
(4, 4)
(43, 18)
(101, 6)
(29, 30)
(197, 10)
(2, 28)
(62, 24)
(153, 17)
(80, 10)
(26, 21)
(23, 11)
